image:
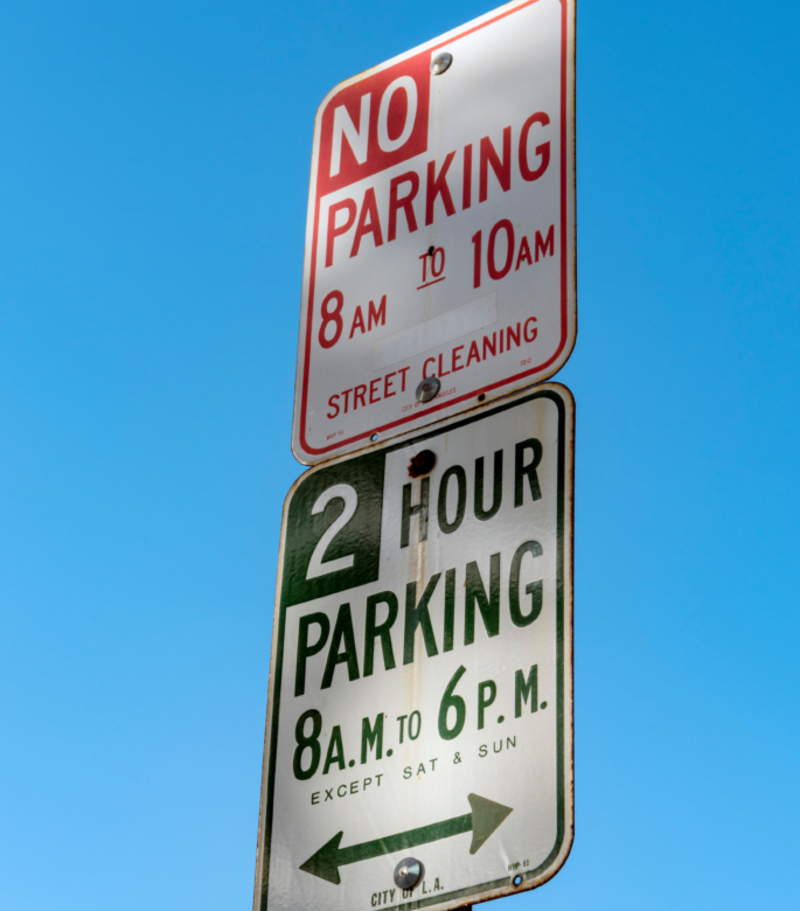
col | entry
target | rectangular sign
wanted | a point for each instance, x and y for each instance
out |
(418, 749)
(440, 238)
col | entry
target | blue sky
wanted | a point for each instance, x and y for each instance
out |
(154, 164)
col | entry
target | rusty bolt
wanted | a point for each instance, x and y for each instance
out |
(422, 463)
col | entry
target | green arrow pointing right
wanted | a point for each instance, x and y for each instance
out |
(486, 816)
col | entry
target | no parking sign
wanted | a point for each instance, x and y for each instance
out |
(440, 236)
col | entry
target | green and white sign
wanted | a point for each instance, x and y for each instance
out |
(420, 701)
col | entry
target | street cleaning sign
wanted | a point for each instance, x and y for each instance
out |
(418, 748)
(440, 238)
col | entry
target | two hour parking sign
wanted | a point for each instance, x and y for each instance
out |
(440, 232)
(419, 731)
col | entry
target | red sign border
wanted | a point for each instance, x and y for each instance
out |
(312, 451)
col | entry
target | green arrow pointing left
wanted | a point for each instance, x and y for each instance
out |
(485, 817)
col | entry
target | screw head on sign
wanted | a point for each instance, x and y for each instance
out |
(421, 463)
(440, 63)
(408, 873)
(428, 388)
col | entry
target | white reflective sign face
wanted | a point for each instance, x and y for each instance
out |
(420, 709)
(440, 235)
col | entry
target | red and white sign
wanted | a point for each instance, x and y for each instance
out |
(441, 231)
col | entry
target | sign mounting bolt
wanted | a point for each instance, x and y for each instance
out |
(440, 63)
(421, 463)
(408, 872)
(428, 388)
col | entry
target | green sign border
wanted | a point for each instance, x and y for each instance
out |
(552, 392)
